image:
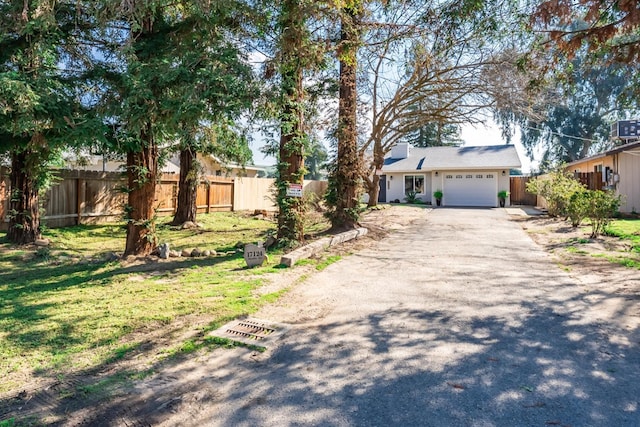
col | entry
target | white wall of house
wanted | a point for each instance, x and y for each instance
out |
(396, 188)
(629, 181)
(436, 181)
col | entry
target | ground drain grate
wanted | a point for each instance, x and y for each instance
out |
(251, 331)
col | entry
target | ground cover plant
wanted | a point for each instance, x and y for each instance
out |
(73, 307)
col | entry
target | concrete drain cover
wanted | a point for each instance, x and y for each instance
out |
(251, 331)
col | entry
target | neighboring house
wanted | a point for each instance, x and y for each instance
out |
(620, 169)
(211, 166)
(467, 176)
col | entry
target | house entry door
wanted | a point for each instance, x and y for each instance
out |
(382, 194)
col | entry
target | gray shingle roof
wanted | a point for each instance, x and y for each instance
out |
(450, 158)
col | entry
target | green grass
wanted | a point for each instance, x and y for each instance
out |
(627, 229)
(69, 310)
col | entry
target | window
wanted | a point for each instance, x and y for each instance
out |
(478, 176)
(489, 175)
(449, 176)
(469, 176)
(414, 183)
(458, 176)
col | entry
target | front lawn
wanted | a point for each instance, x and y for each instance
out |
(70, 307)
(626, 229)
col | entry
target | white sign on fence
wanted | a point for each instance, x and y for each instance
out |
(294, 190)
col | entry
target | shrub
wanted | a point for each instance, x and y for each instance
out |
(412, 198)
(603, 205)
(557, 190)
(578, 208)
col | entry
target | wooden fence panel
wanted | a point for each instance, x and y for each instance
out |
(593, 180)
(89, 197)
(221, 195)
(101, 198)
(519, 194)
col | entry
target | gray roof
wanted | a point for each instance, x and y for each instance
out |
(502, 156)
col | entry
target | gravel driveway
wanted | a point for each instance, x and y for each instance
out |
(458, 320)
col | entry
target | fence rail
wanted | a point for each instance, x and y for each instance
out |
(88, 197)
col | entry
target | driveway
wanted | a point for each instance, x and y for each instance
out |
(458, 320)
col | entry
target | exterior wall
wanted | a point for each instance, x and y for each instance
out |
(627, 166)
(504, 183)
(629, 185)
(589, 165)
(395, 186)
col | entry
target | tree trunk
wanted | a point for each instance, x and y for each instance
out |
(24, 214)
(348, 168)
(291, 150)
(187, 188)
(142, 172)
(374, 190)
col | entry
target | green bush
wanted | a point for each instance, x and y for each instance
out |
(578, 208)
(557, 189)
(603, 205)
(412, 198)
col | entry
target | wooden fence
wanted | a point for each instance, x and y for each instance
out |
(87, 197)
(519, 194)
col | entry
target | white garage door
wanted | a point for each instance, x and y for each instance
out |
(470, 189)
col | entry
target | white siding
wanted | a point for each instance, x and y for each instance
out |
(629, 185)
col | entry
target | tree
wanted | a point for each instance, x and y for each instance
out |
(224, 142)
(294, 40)
(344, 178)
(440, 84)
(39, 113)
(176, 71)
(315, 160)
(611, 27)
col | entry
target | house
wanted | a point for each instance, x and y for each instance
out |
(619, 169)
(211, 166)
(467, 176)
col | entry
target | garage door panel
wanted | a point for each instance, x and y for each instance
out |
(470, 189)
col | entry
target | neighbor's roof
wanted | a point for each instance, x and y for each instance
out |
(455, 158)
(631, 147)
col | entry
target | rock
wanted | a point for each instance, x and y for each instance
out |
(262, 212)
(187, 252)
(196, 252)
(269, 242)
(174, 254)
(111, 256)
(163, 251)
(42, 242)
(189, 225)
(239, 245)
(206, 252)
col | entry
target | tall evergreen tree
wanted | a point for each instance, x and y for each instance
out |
(168, 67)
(39, 108)
(345, 177)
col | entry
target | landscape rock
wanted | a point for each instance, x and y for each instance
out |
(196, 252)
(206, 252)
(189, 225)
(42, 242)
(174, 254)
(163, 251)
(111, 256)
(187, 252)
(269, 242)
